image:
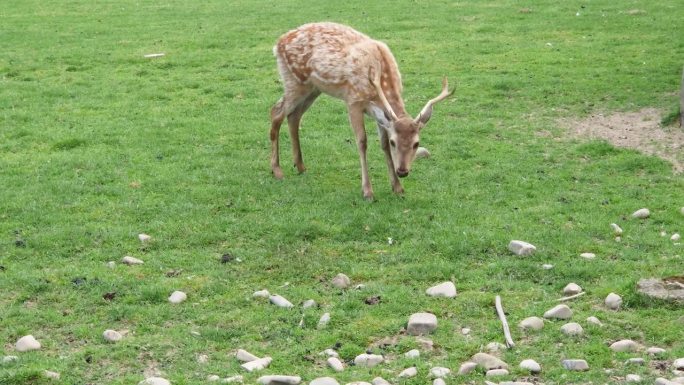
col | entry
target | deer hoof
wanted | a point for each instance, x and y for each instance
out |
(278, 173)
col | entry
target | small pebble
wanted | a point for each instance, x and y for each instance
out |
(308, 303)
(559, 312)
(408, 372)
(580, 365)
(438, 381)
(155, 381)
(422, 152)
(663, 234)
(465, 331)
(439, 372)
(177, 297)
(675, 237)
(496, 373)
(446, 289)
(144, 237)
(128, 260)
(359, 287)
(467, 367)
(655, 351)
(335, 364)
(413, 353)
(259, 364)
(111, 264)
(613, 301)
(231, 379)
(488, 362)
(323, 321)
(341, 281)
(8, 359)
(521, 248)
(633, 378)
(27, 343)
(330, 353)
(112, 335)
(279, 380)
(261, 294)
(624, 346)
(636, 361)
(594, 320)
(547, 266)
(368, 360)
(213, 378)
(421, 323)
(572, 289)
(641, 214)
(280, 301)
(617, 230)
(51, 375)
(678, 364)
(494, 347)
(380, 381)
(531, 365)
(532, 323)
(324, 381)
(588, 255)
(572, 329)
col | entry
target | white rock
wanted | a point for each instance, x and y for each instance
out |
(177, 297)
(559, 312)
(231, 379)
(245, 356)
(51, 375)
(488, 362)
(613, 301)
(636, 361)
(308, 303)
(572, 289)
(445, 289)
(259, 364)
(496, 373)
(617, 230)
(675, 237)
(27, 343)
(330, 353)
(359, 287)
(664, 381)
(144, 237)
(324, 381)
(624, 346)
(213, 378)
(678, 380)
(641, 214)
(572, 329)
(112, 335)
(341, 281)
(531, 323)
(588, 255)
(280, 301)
(421, 323)
(594, 320)
(358, 383)
(530, 365)
(335, 364)
(8, 359)
(521, 248)
(465, 331)
(154, 381)
(439, 372)
(678, 364)
(380, 381)
(579, 365)
(111, 264)
(467, 367)
(323, 321)
(408, 372)
(279, 380)
(494, 347)
(681, 211)
(655, 351)
(547, 266)
(128, 260)
(368, 360)
(633, 378)
(413, 353)
(261, 294)
(422, 152)
(439, 381)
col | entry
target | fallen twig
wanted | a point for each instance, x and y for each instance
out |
(502, 317)
(572, 297)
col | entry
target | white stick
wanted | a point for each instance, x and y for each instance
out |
(502, 317)
(572, 297)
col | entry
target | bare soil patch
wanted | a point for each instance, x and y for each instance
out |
(640, 130)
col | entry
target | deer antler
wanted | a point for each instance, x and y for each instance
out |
(426, 112)
(383, 99)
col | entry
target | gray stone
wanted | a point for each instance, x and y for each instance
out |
(495, 347)
(617, 230)
(496, 373)
(624, 346)
(636, 361)
(572, 289)
(308, 303)
(128, 260)
(324, 381)
(232, 379)
(380, 381)
(330, 353)
(213, 378)
(613, 301)
(279, 380)
(154, 381)
(439, 372)
(588, 255)
(668, 290)
(261, 294)
(594, 320)
(335, 364)
(255, 365)
(532, 323)
(368, 360)
(245, 356)
(572, 329)
(579, 365)
(678, 364)
(675, 237)
(488, 362)
(421, 323)
(144, 237)
(408, 372)
(341, 281)
(112, 335)
(422, 152)
(559, 312)
(446, 289)
(467, 367)
(521, 248)
(664, 381)
(530, 365)
(8, 359)
(51, 375)
(439, 381)
(280, 301)
(641, 214)
(655, 351)
(413, 353)
(633, 378)
(323, 321)
(27, 343)
(177, 297)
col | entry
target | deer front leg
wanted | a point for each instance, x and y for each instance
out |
(356, 120)
(394, 179)
(277, 117)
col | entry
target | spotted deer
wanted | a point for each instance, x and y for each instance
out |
(344, 63)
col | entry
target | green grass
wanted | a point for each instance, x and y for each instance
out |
(98, 144)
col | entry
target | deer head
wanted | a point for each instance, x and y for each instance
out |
(403, 132)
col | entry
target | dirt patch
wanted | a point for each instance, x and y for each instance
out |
(639, 130)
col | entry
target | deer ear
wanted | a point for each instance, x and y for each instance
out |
(380, 115)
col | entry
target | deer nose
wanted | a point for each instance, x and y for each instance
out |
(402, 172)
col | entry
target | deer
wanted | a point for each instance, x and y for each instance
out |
(339, 61)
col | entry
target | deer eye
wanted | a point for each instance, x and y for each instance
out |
(393, 143)
(415, 145)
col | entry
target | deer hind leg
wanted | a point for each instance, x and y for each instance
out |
(394, 179)
(293, 121)
(277, 116)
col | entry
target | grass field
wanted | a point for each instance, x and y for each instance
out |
(99, 144)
